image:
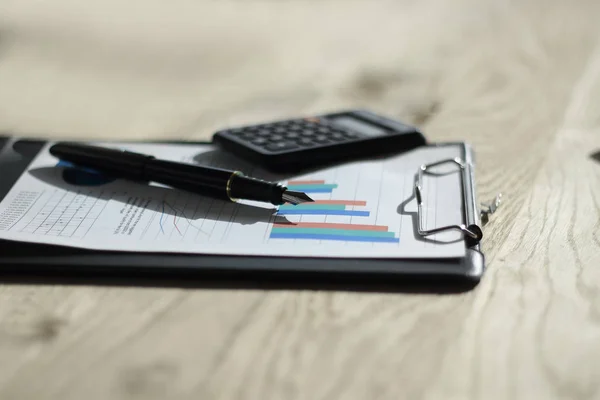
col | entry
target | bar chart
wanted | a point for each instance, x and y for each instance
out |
(349, 232)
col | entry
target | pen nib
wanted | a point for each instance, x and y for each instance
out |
(292, 197)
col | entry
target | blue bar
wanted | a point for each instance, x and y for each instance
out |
(334, 232)
(312, 190)
(342, 238)
(314, 187)
(324, 212)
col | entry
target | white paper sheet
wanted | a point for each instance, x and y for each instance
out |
(363, 210)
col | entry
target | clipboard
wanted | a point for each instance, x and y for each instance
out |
(28, 258)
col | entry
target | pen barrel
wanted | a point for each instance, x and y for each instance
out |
(192, 178)
(112, 162)
(209, 181)
(213, 182)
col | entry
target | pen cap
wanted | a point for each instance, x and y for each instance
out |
(112, 162)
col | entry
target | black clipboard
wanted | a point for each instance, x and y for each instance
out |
(25, 259)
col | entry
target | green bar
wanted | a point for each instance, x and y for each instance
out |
(312, 206)
(328, 231)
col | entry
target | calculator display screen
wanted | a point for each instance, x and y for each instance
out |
(358, 125)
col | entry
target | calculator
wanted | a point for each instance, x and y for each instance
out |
(300, 143)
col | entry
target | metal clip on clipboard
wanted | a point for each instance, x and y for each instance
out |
(470, 228)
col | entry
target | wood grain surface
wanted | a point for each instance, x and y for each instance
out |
(519, 80)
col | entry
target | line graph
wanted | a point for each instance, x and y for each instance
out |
(177, 212)
(162, 228)
(175, 222)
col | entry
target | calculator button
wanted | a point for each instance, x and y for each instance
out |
(337, 136)
(259, 141)
(280, 146)
(275, 138)
(263, 132)
(307, 132)
(321, 139)
(292, 135)
(305, 142)
(280, 130)
(323, 129)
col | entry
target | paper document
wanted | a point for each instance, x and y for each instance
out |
(363, 209)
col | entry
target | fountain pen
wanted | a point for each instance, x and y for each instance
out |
(213, 182)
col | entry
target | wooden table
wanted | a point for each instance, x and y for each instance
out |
(520, 81)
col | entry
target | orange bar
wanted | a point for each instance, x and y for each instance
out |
(346, 202)
(331, 225)
(305, 183)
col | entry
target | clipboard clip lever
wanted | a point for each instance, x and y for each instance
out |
(472, 231)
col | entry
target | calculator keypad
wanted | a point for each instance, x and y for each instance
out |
(292, 135)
